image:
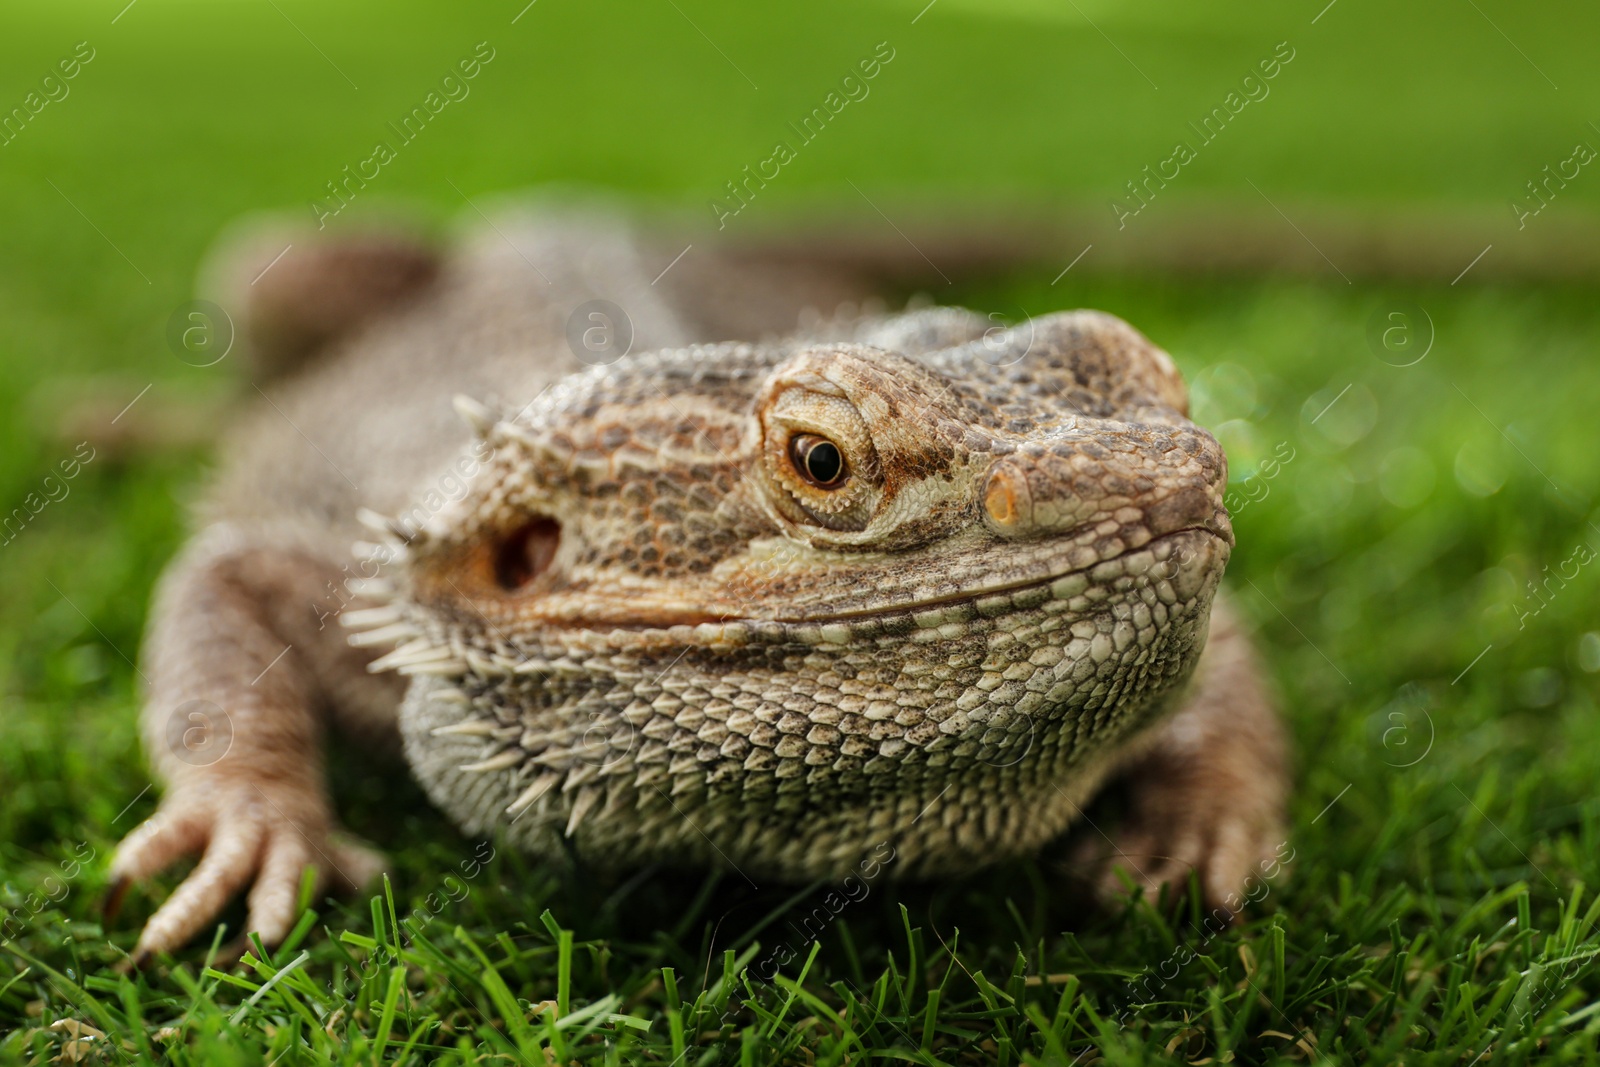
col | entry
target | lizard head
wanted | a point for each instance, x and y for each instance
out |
(926, 547)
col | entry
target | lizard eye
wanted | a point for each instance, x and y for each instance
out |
(818, 460)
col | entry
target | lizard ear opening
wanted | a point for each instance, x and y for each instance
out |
(526, 553)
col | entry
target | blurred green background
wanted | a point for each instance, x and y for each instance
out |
(1443, 707)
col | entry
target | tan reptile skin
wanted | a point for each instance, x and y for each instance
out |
(723, 663)
(765, 603)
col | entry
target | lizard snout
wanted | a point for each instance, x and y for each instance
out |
(1021, 501)
(1054, 493)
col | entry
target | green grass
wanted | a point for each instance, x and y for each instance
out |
(1438, 904)
(1442, 901)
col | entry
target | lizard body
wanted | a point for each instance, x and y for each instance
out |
(762, 603)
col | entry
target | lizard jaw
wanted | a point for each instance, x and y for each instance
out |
(1178, 565)
(1163, 559)
(1209, 540)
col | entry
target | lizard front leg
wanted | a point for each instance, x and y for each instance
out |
(241, 673)
(1207, 791)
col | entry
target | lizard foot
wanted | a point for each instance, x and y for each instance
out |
(1207, 793)
(1183, 820)
(243, 834)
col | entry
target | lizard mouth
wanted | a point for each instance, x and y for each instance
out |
(637, 614)
(662, 623)
(964, 596)
(506, 598)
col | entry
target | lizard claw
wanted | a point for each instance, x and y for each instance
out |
(263, 838)
(1230, 840)
(111, 903)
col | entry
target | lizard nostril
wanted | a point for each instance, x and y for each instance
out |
(526, 553)
(1006, 501)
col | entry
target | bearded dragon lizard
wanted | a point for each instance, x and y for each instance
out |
(760, 603)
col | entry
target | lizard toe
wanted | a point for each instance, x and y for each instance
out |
(232, 856)
(1225, 851)
(1149, 860)
(176, 831)
(273, 898)
(1226, 865)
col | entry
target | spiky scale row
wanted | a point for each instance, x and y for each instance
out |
(701, 736)
(474, 413)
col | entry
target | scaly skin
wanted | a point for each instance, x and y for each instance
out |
(637, 622)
